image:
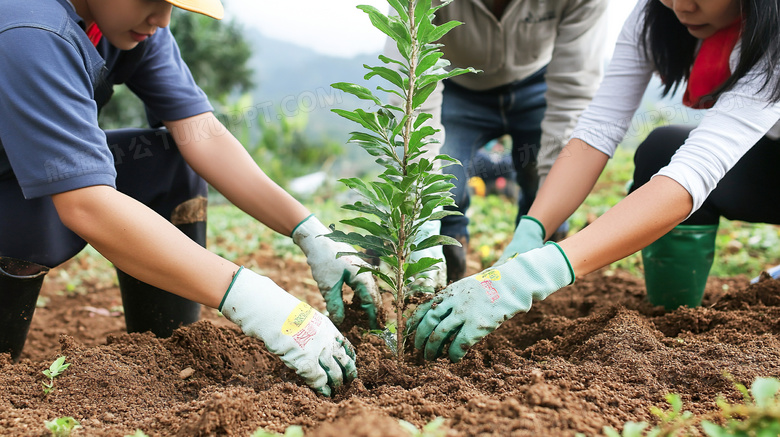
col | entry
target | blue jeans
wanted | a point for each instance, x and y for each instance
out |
(472, 118)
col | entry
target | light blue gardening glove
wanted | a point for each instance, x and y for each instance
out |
(529, 234)
(331, 272)
(475, 306)
(304, 339)
(432, 280)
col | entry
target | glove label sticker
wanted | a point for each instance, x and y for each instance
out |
(486, 279)
(302, 324)
(489, 275)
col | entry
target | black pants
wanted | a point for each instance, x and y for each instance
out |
(747, 192)
(149, 168)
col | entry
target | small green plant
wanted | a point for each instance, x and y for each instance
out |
(55, 370)
(674, 422)
(758, 416)
(434, 428)
(291, 431)
(409, 192)
(137, 433)
(62, 427)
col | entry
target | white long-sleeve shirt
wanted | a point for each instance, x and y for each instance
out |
(737, 121)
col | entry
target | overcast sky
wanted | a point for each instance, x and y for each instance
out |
(337, 27)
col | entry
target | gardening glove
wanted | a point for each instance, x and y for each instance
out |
(304, 339)
(475, 306)
(331, 272)
(432, 280)
(529, 234)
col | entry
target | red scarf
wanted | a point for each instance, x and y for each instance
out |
(94, 34)
(711, 66)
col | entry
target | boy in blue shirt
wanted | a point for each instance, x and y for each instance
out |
(137, 195)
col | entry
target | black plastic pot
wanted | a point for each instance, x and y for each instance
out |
(20, 284)
(148, 308)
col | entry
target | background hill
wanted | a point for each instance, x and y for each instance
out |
(288, 75)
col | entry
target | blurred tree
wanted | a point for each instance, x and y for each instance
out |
(217, 55)
(284, 150)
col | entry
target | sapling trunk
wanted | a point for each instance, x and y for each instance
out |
(400, 301)
(411, 191)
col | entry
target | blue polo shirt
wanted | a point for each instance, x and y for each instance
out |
(51, 81)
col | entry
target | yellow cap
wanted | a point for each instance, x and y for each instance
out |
(212, 8)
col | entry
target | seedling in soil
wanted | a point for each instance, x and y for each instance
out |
(55, 370)
(137, 433)
(434, 428)
(409, 192)
(291, 431)
(758, 416)
(62, 426)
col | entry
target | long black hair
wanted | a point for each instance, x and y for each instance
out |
(672, 49)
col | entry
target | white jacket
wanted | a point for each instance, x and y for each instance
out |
(737, 121)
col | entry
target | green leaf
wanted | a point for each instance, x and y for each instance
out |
(374, 228)
(436, 240)
(427, 62)
(421, 10)
(380, 21)
(435, 177)
(438, 215)
(387, 279)
(399, 128)
(765, 391)
(443, 4)
(425, 28)
(421, 133)
(361, 117)
(422, 118)
(360, 186)
(402, 14)
(62, 426)
(634, 429)
(368, 209)
(391, 260)
(358, 91)
(437, 187)
(356, 239)
(422, 265)
(397, 93)
(293, 431)
(388, 74)
(421, 94)
(439, 31)
(408, 427)
(447, 158)
(397, 200)
(428, 79)
(675, 401)
(713, 430)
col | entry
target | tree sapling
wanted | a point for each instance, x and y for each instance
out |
(411, 191)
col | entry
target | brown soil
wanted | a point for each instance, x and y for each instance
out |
(591, 355)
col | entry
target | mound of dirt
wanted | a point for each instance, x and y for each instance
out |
(591, 355)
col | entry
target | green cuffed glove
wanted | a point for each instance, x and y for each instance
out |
(304, 339)
(432, 280)
(475, 306)
(529, 234)
(331, 272)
